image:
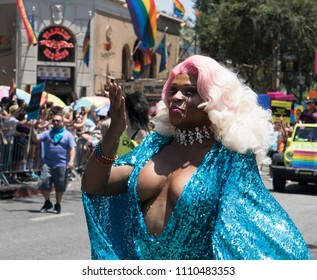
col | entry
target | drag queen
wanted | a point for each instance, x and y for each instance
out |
(191, 189)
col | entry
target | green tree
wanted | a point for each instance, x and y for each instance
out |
(188, 40)
(264, 40)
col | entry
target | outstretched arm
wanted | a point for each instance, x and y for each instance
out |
(100, 177)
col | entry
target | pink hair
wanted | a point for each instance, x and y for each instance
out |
(209, 73)
(236, 118)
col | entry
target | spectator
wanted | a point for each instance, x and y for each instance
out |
(137, 122)
(138, 118)
(76, 126)
(10, 135)
(6, 102)
(59, 156)
(307, 116)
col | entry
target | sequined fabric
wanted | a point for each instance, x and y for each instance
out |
(224, 212)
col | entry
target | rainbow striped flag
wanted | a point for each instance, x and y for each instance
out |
(147, 57)
(86, 46)
(13, 88)
(26, 22)
(162, 50)
(144, 17)
(136, 69)
(305, 159)
(179, 9)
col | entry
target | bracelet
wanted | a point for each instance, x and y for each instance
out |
(102, 158)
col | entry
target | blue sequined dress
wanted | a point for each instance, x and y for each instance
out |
(224, 212)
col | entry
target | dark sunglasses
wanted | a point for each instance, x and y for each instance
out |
(56, 121)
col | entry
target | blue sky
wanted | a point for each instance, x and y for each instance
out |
(167, 6)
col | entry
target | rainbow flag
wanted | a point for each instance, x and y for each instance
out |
(304, 159)
(144, 16)
(13, 88)
(86, 46)
(162, 50)
(147, 57)
(136, 69)
(179, 9)
(26, 22)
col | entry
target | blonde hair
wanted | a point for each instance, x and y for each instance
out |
(237, 120)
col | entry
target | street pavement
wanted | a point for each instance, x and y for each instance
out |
(27, 234)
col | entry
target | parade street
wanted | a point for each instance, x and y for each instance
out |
(27, 234)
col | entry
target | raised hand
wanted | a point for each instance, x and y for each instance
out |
(117, 108)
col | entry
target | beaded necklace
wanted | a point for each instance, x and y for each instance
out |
(185, 137)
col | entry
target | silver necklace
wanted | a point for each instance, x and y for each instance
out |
(188, 137)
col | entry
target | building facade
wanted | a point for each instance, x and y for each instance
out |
(60, 28)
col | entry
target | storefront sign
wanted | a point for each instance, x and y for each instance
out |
(105, 55)
(56, 43)
(54, 73)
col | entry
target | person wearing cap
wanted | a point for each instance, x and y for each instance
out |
(309, 114)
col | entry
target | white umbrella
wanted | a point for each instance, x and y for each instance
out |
(103, 110)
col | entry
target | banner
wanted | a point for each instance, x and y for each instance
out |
(34, 105)
(281, 108)
(298, 109)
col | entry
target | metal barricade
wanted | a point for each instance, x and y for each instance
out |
(20, 158)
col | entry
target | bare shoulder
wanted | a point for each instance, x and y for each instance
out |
(141, 135)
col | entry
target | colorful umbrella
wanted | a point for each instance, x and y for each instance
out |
(4, 91)
(90, 101)
(21, 94)
(103, 110)
(52, 98)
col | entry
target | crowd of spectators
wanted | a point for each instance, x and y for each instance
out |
(20, 158)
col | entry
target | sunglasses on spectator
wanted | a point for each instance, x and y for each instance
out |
(56, 121)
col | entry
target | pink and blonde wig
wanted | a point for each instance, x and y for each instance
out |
(238, 121)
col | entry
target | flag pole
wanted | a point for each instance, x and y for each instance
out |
(136, 47)
(165, 30)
